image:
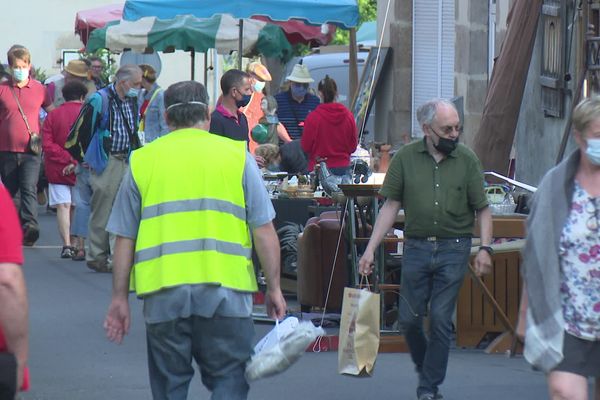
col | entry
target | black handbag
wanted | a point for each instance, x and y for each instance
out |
(35, 140)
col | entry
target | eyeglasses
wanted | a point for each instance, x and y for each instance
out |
(592, 222)
(448, 129)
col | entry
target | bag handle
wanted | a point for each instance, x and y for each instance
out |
(364, 283)
(21, 111)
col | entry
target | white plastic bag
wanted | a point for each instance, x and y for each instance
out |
(281, 347)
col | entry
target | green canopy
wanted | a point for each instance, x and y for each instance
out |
(221, 32)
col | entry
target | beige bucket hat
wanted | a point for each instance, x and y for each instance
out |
(77, 68)
(300, 74)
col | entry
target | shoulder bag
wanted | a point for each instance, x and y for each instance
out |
(35, 140)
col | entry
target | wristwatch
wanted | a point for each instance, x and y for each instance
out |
(489, 249)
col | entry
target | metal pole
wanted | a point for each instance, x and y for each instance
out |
(353, 67)
(206, 68)
(241, 44)
(192, 64)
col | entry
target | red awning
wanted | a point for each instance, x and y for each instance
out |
(88, 20)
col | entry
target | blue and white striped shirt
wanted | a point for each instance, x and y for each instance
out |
(292, 114)
(118, 127)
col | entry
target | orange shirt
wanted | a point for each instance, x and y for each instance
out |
(253, 113)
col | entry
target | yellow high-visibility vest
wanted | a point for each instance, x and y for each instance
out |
(193, 226)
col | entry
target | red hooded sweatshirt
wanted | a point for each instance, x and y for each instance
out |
(329, 132)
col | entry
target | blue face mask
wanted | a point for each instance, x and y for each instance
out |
(20, 74)
(299, 91)
(259, 86)
(243, 102)
(132, 92)
(593, 151)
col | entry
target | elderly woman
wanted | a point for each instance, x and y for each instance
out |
(561, 266)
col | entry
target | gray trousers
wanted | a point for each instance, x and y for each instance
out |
(221, 346)
(104, 190)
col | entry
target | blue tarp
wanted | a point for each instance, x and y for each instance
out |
(343, 13)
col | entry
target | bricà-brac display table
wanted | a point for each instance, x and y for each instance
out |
(361, 197)
(486, 305)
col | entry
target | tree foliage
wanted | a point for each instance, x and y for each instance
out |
(367, 10)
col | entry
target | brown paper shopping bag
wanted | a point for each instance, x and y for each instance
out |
(359, 332)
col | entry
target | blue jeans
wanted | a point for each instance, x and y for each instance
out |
(20, 173)
(432, 273)
(82, 196)
(221, 347)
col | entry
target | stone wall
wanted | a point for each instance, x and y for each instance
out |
(471, 62)
(393, 105)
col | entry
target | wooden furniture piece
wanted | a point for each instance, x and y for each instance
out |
(490, 305)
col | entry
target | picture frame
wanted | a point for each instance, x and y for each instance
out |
(363, 99)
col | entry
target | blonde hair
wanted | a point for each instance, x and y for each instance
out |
(586, 111)
(148, 73)
(268, 151)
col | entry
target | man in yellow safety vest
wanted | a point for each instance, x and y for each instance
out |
(185, 216)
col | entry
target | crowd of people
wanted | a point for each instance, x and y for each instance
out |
(115, 155)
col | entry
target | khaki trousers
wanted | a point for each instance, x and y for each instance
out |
(104, 190)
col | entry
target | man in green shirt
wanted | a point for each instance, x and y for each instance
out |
(440, 184)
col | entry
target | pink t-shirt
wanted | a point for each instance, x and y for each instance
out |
(14, 136)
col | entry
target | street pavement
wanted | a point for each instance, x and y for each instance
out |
(70, 359)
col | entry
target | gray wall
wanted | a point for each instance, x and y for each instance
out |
(471, 62)
(393, 106)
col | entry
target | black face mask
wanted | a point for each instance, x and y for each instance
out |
(445, 145)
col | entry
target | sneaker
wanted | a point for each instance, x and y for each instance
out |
(431, 396)
(99, 266)
(67, 252)
(30, 235)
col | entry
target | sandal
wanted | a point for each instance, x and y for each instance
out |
(67, 252)
(78, 255)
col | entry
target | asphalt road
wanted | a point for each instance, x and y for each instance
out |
(71, 359)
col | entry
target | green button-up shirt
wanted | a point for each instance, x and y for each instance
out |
(438, 199)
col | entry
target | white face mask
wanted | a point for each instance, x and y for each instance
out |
(593, 151)
(259, 86)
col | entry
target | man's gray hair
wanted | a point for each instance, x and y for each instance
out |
(127, 72)
(426, 112)
(186, 103)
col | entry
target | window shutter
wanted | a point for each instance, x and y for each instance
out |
(553, 58)
(433, 53)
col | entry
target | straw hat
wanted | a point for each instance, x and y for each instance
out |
(259, 70)
(300, 74)
(77, 68)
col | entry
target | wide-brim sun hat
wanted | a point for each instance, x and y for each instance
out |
(259, 70)
(300, 74)
(77, 68)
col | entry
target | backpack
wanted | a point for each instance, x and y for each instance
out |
(96, 155)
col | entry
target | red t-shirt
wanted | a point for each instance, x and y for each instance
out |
(11, 239)
(13, 131)
(54, 134)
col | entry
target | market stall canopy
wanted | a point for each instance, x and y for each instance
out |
(343, 13)
(88, 20)
(187, 32)
(295, 31)
(367, 33)
(299, 32)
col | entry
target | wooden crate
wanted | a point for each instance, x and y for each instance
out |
(475, 316)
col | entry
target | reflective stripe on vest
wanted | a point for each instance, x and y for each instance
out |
(193, 227)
